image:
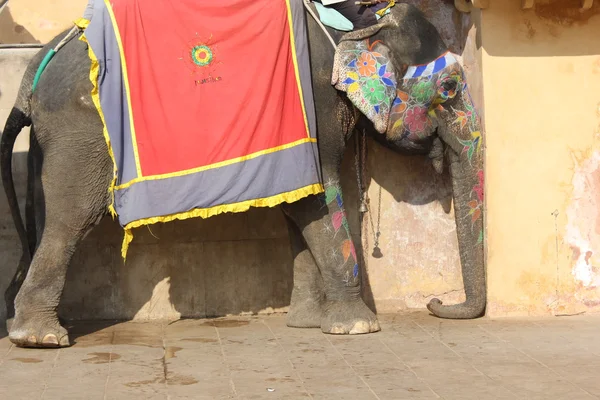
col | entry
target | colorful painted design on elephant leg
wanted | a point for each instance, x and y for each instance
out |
(333, 194)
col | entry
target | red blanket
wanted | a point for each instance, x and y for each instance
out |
(228, 65)
(204, 106)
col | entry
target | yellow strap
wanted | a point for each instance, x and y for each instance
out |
(81, 23)
(391, 3)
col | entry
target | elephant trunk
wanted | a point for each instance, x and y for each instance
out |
(460, 129)
(469, 226)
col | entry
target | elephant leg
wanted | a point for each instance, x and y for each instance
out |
(71, 209)
(17, 281)
(307, 294)
(323, 224)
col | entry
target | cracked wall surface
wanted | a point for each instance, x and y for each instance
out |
(541, 77)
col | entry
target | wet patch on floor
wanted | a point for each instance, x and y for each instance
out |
(173, 379)
(101, 358)
(226, 323)
(27, 360)
(199, 340)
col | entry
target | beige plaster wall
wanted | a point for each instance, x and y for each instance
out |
(541, 77)
(34, 21)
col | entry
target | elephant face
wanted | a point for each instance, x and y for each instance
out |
(423, 89)
(399, 101)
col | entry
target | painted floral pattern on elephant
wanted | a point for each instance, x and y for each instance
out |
(476, 205)
(468, 123)
(339, 220)
(366, 74)
(423, 87)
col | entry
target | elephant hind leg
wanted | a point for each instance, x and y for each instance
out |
(36, 322)
(25, 262)
(307, 295)
(75, 198)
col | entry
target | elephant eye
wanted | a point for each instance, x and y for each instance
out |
(449, 85)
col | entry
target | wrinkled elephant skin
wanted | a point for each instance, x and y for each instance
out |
(433, 116)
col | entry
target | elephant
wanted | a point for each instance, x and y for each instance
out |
(66, 135)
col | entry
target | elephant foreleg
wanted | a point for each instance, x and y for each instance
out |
(322, 221)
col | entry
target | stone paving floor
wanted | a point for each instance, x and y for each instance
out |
(415, 356)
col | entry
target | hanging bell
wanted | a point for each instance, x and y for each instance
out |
(377, 252)
(363, 207)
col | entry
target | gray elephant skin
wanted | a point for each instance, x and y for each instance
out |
(67, 147)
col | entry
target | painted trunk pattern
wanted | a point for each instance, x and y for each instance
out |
(461, 130)
(469, 135)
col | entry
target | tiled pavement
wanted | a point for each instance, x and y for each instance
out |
(415, 356)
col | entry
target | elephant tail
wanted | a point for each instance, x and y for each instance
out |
(16, 121)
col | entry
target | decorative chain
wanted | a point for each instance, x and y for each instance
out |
(360, 147)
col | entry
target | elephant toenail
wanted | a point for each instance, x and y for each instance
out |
(32, 339)
(375, 326)
(337, 330)
(360, 327)
(50, 339)
(64, 341)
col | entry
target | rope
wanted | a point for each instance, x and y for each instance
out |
(72, 33)
(69, 36)
(318, 21)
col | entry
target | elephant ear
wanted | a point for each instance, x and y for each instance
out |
(365, 71)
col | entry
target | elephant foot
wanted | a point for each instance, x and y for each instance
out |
(466, 310)
(9, 323)
(307, 313)
(348, 318)
(38, 333)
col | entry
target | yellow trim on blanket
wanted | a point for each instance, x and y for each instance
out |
(138, 167)
(140, 177)
(295, 60)
(287, 197)
(81, 23)
(136, 156)
(216, 165)
(94, 71)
